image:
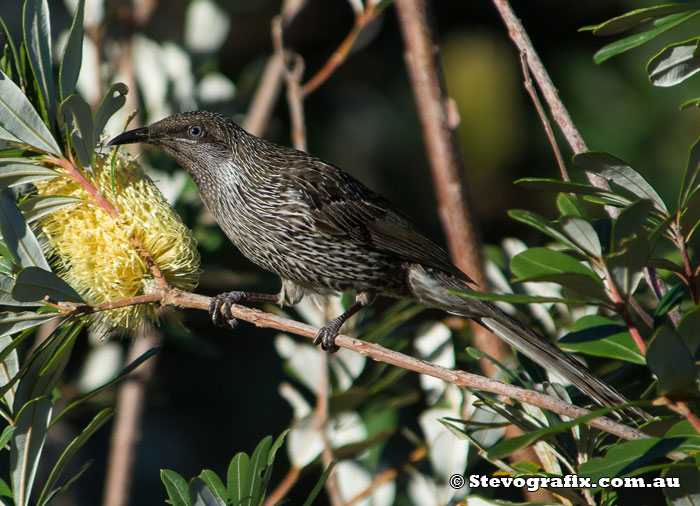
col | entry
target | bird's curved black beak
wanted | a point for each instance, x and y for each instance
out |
(131, 137)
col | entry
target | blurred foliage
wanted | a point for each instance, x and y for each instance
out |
(399, 438)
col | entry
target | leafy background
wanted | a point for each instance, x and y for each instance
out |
(209, 382)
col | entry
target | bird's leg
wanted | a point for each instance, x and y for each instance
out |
(220, 307)
(327, 334)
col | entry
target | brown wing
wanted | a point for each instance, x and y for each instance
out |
(342, 206)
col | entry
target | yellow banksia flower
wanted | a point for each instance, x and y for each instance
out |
(95, 252)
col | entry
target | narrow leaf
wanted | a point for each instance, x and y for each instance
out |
(18, 236)
(14, 322)
(237, 477)
(37, 39)
(34, 283)
(617, 171)
(19, 121)
(9, 367)
(6, 435)
(319, 485)
(659, 26)
(690, 175)
(258, 463)
(98, 421)
(689, 330)
(77, 108)
(674, 64)
(542, 224)
(110, 104)
(6, 285)
(508, 446)
(601, 337)
(176, 487)
(27, 445)
(637, 17)
(34, 208)
(582, 233)
(72, 58)
(15, 171)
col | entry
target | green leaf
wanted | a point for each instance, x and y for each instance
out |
(669, 358)
(693, 102)
(637, 17)
(516, 298)
(688, 493)
(555, 185)
(72, 58)
(319, 485)
(570, 206)
(37, 39)
(623, 458)
(270, 460)
(98, 421)
(176, 487)
(19, 121)
(543, 264)
(602, 337)
(583, 234)
(630, 220)
(6, 285)
(201, 495)
(16, 171)
(659, 26)
(676, 63)
(27, 444)
(670, 299)
(238, 477)
(625, 266)
(214, 483)
(18, 236)
(34, 208)
(34, 283)
(689, 330)
(47, 364)
(685, 430)
(615, 170)
(13, 51)
(508, 446)
(258, 464)
(5, 436)
(82, 135)
(542, 224)
(108, 106)
(123, 373)
(14, 322)
(9, 368)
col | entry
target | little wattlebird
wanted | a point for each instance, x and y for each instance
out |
(323, 231)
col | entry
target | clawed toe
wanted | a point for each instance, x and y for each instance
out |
(220, 309)
(326, 338)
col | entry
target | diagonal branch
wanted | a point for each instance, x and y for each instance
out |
(178, 298)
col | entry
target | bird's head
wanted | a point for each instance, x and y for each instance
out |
(200, 141)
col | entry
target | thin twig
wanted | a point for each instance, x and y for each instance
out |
(284, 486)
(178, 298)
(293, 71)
(322, 396)
(362, 19)
(268, 90)
(543, 117)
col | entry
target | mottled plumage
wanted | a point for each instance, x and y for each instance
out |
(321, 230)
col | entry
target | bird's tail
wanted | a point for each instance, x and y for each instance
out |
(432, 288)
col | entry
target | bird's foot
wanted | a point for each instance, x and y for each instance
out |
(327, 334)
(220, 308)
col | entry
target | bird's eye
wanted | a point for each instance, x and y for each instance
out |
(195, 131)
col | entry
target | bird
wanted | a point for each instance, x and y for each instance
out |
(323, 231)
